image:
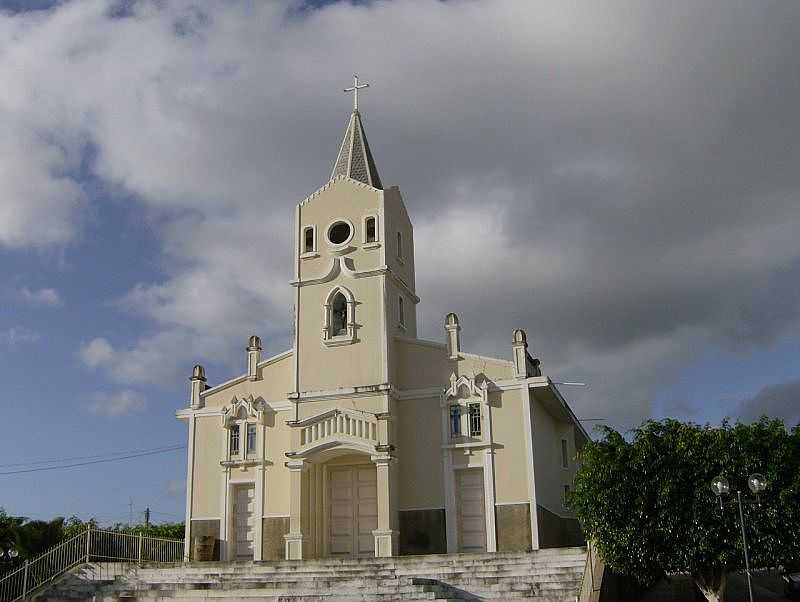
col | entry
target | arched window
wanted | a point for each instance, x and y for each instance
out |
(308, 240)
(399, 245)
(339, 327)
(370, 234)
(339, 315)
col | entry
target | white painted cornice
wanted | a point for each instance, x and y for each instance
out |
(362, 391)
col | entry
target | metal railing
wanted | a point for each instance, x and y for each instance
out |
(88, 546)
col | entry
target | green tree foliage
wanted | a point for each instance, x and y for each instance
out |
(22, 539)
(647, 503)
(36, 536)
(8, 538)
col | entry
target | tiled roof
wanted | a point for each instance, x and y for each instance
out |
(355, 159)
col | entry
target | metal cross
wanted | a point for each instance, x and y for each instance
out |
(355, 90)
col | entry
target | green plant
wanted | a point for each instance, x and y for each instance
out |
(647, 504)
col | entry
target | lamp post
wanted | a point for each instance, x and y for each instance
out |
(756, 483)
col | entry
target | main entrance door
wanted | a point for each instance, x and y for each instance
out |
(243, 504)
(352, 510)
(471, 510)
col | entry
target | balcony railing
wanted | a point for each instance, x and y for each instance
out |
(341, 424)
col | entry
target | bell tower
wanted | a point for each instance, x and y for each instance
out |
(354, 274)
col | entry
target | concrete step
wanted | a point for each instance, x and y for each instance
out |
(542, 576)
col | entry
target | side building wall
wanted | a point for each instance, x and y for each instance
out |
(557, 526)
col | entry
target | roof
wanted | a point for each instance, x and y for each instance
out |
(355, 158)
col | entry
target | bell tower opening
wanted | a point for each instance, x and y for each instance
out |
(339, 315)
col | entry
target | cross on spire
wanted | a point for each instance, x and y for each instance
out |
(356, 87)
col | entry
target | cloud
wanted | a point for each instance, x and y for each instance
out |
(97, 352)
(119, 403)
(175, 488)
(14, 336)
(37, 297)
(779, 400)
(620, 182)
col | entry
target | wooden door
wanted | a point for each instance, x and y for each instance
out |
(471, 510)
(243, 505)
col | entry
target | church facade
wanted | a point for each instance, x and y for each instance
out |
(364, 440)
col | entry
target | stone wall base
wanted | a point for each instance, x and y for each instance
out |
(422, 532)
(513, 527)
(273, 545)
(200, 528)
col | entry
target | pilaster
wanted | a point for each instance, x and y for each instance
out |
(386, 538)
(294, 539)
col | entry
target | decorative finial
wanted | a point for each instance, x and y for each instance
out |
(356, 87)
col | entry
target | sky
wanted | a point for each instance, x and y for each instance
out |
(620, 179)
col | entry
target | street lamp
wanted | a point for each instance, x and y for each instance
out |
(756, 483)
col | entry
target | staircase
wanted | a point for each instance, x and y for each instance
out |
(551, 575)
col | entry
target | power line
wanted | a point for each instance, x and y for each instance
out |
(105, 455)
(103, 460)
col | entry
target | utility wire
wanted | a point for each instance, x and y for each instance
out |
(106, 455)
(103, 460)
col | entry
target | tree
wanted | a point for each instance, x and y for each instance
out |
(647, 504)
(37, 536)
(8, 538)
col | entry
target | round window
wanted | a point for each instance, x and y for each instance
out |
(339, 233)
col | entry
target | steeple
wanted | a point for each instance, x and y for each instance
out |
(355, 159)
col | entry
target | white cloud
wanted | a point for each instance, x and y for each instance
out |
(626, 210)
(37, 297)
(118, 403)
(18, 335)
(97, 352)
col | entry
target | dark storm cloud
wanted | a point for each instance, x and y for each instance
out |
(781, 401)
(620, 179)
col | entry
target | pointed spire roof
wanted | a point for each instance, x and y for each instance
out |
(355, 159)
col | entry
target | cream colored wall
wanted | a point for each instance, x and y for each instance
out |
(366, 403)
(419, 366)
(419, 440)
(276, 475)
(276, 379)
(357, 364)
(510, 463)
(495, 369)
(393, 293)
(550, 476)
(207, 478)
(397, 220)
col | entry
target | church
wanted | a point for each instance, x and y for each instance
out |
(363, 440)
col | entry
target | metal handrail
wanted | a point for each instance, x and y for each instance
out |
(92, 544)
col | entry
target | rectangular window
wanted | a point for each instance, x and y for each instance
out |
(399, 245)
(235, 440)
(566, 496)
(308, 239)
(251, 438)
(564, 454)
(455, 421)
(475, 420)
(401, 314)
(369, 227)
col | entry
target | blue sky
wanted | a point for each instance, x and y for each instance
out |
(611, 179)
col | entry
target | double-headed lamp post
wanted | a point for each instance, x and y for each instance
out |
(756, 483)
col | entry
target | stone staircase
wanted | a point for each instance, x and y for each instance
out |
(551, 575)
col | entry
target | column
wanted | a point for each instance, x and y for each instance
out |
(386, 540)
(294, 539)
